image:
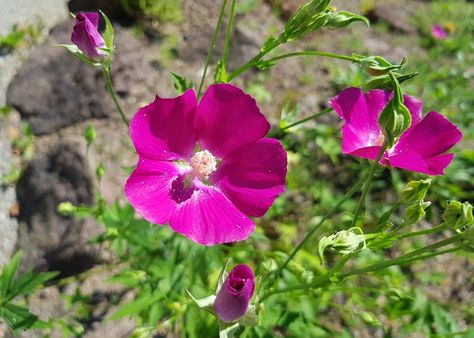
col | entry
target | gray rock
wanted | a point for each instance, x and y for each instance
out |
(54, 90)
(8, 225)
(50, 241)
(397, 14)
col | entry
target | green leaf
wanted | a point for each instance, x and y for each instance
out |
(108, 34)
(139, 304)
(8, 273)
(74, 50)
(181, 84)
(29, 281)
(227, 330)
(220, 76)
(17, 317)
(205, 303)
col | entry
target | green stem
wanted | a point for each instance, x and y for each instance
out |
(331, 213)
(303, 120)
(433, 230)
(313, 53)
(110, 89)
(228, 33)
(325, 280)
(254, 60)
(367, 184)
(212, 46)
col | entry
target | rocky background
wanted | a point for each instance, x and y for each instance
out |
(58, 96)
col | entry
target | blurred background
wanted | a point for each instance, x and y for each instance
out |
(48, 99)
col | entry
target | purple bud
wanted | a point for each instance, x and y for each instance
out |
(86, 36)
(234, 296)
(439, 32)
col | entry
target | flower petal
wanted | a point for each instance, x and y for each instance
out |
(93, 17)
(86, 36)
(415, 106)
(360, 113)
(227, 118)
(148, 189)
(409, 160)
(437, 164)
(253, 176)
(164, 130)
(208, 217)
(433, 136)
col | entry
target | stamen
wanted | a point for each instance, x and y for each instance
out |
(203, 163)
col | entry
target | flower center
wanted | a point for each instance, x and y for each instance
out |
(203, 163)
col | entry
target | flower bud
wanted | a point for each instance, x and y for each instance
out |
(344, 242)
(384, 81)
(308, 18)
(376, 65)
(415, 212)
(86, 36)
(66, 208)
(458, 215)
(415, 191)
(233, 298)
(395, 118)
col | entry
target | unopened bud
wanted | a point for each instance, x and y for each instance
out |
(343, 19)
(415, 212)
(66, 208)
(458, 215)
(343, 242)
(415, 191)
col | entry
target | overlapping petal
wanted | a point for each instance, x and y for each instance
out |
(420, 148)
(167, 187)
(227, 118)
(149, 188)
(86, 36)
(164, 130)
(253, 176)
(208, 217)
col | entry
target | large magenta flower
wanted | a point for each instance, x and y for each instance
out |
(420, 148)
(206, 167)
(233, 298)
(86, 36)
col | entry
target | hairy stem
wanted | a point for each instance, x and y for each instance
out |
(313, 53)
(367, 185)
(110, 89)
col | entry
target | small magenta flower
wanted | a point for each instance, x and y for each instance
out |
(420, 148)
(438, 32)
(205, 167)
(86, 36)
(233, 298)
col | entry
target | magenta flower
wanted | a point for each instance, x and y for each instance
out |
(438, 32)
(233, 298)
(420, 148)
(86, 36)
(206, 167)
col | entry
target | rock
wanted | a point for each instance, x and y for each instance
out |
(50, 241)
(397, 14)
(54, 90)
(8, 225)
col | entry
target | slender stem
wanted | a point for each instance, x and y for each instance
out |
(228, 33)
(313, 53)
(367, 184)
(212, 46)
(331, 213)
(325, 280)
(303, 120)
(110, 89)
(254, 60)
(436, 245)
(433, 230)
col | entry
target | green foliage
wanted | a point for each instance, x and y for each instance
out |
(161, 10)
(14, 286)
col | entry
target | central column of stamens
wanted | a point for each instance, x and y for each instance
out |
(203, 163)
